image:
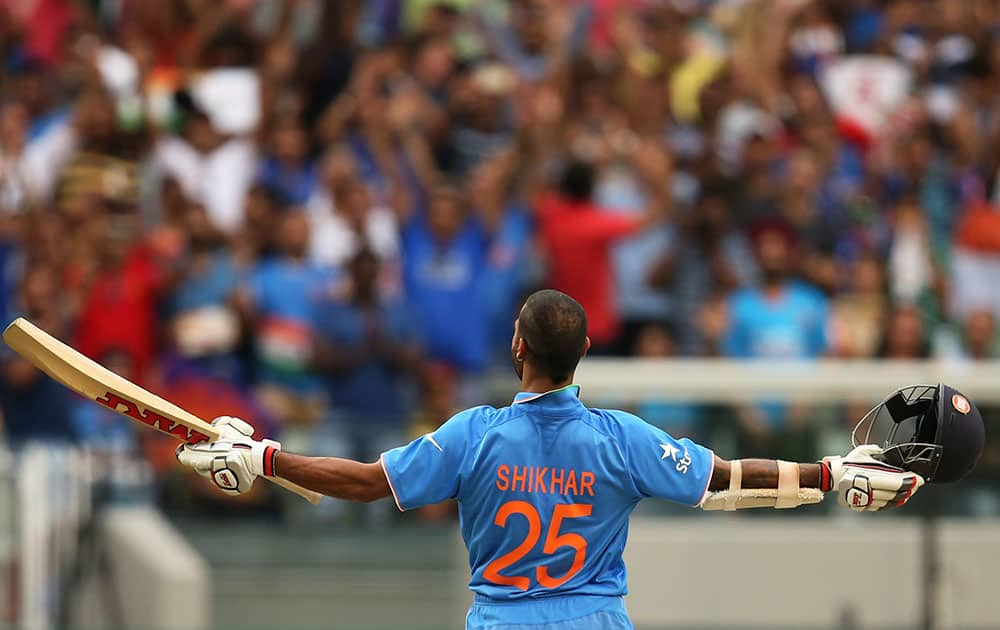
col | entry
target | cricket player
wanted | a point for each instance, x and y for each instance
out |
(546, 485)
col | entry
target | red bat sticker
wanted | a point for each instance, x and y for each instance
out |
(148, 416)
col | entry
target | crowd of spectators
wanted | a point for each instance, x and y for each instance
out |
(323, 215)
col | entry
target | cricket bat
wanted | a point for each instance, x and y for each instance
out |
(94, 381)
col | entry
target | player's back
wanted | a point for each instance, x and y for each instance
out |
(545, 489)
(545, 501)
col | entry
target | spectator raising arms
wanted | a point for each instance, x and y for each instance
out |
(577, 237)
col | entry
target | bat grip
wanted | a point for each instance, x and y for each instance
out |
(308, 495)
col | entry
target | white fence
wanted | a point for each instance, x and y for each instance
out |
(723, 380)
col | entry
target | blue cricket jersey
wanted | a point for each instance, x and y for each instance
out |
(545, 488)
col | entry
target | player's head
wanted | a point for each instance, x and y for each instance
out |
(932, 430)
(550, 335)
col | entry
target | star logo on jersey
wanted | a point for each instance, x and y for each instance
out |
(670, 450)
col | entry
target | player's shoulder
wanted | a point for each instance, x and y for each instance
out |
(480, 417)
(615, 422)
(471, 425)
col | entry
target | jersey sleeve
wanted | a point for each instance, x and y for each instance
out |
(428, 469)
(664, 467)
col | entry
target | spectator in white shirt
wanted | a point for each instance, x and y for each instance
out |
(213, 169)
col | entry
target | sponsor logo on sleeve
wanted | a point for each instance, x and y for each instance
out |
(683, 463)
(669, 450)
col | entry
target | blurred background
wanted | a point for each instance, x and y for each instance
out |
(322, 216)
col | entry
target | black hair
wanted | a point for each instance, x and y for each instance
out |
(363, 255)
(577, 181)
(554, 328)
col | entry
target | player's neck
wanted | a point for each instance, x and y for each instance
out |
(535, 383)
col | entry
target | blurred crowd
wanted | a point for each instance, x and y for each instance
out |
(322, 215)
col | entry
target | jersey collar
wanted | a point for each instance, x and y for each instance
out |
(562, 395)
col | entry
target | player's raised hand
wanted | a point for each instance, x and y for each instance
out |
(234, 462)
(864, 483)
(233, 428)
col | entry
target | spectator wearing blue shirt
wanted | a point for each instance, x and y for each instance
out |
(203, 326)
(97, 427)
(780, 319)
(509, 223)
(368, 355)
(445, 254)
(368, 351)
(279, 303)
(33, 407)
(288, 171)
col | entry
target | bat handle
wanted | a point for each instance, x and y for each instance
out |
(308, 495)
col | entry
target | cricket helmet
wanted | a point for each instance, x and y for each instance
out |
(932, 430)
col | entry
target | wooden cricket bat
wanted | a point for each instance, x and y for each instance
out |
(94, 381)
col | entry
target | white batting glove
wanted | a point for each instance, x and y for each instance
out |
(234, 461)
(232, 428)
(864, 483)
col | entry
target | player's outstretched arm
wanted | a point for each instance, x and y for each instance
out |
(233, 463)
(862, 481)
(760, 474)
(334, 477)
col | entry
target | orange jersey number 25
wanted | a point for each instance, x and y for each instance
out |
(553, 541)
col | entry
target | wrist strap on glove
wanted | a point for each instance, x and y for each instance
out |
(825, 477)
(270, 455)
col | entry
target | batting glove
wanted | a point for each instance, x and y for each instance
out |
(235, 460)
(864, 483)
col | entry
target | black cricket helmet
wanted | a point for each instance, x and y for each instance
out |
(932, 430)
